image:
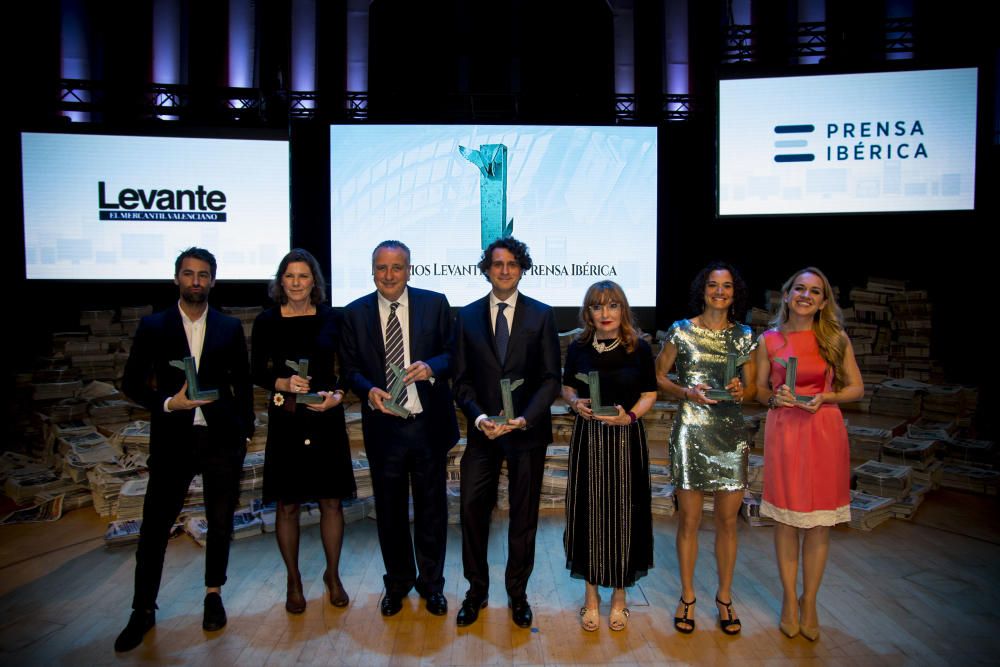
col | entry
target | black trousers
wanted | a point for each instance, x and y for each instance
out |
(408, 460)
(480, 473)
(170, 475)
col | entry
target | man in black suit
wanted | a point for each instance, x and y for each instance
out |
(410, 328)
(187, 436)
(504, 335)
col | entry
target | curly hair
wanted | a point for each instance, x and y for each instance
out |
(827, 325)
(696, 294)
(602, 292)
(517, 248)
(318, 293)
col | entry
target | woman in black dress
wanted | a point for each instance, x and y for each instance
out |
(609, 528)
(307, 456)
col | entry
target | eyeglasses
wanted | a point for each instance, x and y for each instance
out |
(613, 306)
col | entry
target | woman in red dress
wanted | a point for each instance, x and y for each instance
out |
(806, 452)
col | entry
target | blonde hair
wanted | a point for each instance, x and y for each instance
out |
(827, 325)
(607, 291)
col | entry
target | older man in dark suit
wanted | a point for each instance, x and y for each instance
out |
(504, 335)
(409, 328)
(188, 436)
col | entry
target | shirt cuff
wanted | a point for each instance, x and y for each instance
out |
(165, 408)
(479, 419)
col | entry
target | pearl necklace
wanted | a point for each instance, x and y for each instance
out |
(605, 347)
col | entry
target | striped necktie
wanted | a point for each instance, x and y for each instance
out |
(393, 347)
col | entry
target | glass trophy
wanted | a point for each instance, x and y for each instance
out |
(791, 370)
(397, 390)
(194, 392)
(593, 380)
(302, 370)
(491, 160)
(507, 387)
(733, 363)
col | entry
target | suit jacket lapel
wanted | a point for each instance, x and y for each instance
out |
(175, 333)
(484, 319)
(375, 328)
(516, 329)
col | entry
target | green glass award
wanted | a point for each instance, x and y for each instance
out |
(507, 387)
(397, 389)
(194, 392)
(491, 160)
(302, 370)
(791, 370)
(733, 363)
(593, 380)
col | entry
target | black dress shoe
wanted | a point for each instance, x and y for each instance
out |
(391, 605)
(437, 604)
(215, 613)
(469, 611)
(521, 613)
(139, 623)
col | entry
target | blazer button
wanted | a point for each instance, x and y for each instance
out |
(308, 441)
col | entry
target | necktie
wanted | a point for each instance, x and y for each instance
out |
(502, 332)
(393, 347)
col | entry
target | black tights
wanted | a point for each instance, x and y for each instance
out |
(331, 527)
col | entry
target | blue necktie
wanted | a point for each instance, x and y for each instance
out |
(502, 332)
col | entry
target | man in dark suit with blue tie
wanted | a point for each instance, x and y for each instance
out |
(504, 335)
(409, 328)
(188, 437)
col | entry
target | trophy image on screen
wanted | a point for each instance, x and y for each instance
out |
(791, 370)
(397, 389)
(733, 363)
(302, 370)
(593, 380)
(492, 162)
(194, 392)
(507, 387)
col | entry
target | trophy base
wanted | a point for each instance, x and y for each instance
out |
(802, 398)
(499, 420)
(718, 395)
(309, 399)
(205, 395)
(605, 411)
(396, 409)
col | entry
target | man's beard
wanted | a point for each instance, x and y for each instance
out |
(194, 297)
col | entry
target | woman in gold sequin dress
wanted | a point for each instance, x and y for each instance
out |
(708, 445)
(609, 529)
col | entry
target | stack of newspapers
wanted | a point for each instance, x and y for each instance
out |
(898, 398)
(867, 441)
(884, 479)
(868, 510)
(555, 477)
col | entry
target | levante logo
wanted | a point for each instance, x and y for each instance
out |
(199, 205)
(853, 141)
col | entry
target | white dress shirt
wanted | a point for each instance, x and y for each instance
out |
(403, 315)
(508, 314)
(195, 332)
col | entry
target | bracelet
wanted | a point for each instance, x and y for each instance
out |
(632, 418)
(771, 403)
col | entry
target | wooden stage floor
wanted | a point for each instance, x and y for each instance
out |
(920, 593)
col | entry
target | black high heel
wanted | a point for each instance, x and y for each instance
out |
(686, 618)
(726, 624)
